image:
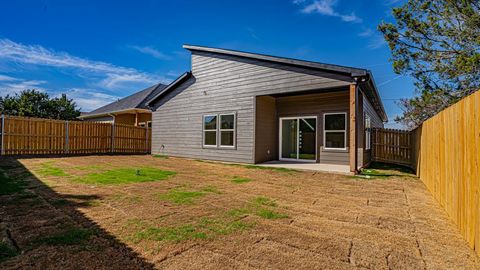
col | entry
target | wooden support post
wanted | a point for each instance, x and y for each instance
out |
(146, 139)
(67, 135)
(2, 150)
(136, 119)
(113, 137)
(353, 128)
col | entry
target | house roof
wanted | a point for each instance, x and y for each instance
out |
(137, 100)
(362, 76)
(169, 87)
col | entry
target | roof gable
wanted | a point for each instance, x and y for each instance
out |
(137, 100)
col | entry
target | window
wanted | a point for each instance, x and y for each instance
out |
(149, 124)
(210, 130)
(219, 128)
(227, 130)
(335, 131)
(368, 135)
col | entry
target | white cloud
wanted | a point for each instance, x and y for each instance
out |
(327, 8)
(89, 99)
(377, 42)
(151, 51)
(11, 86)
(366, 33)
(38, 55)
(4, 78)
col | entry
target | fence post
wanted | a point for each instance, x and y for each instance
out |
(2, 150)
(113, 138)
(146, 140)
(67, 137)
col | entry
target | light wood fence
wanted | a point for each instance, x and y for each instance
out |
(35, 136)
(447, 150)
(392, 146)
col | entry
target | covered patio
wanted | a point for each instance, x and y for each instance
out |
(307, 166)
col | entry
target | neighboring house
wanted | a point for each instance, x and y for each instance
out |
(243, 107)
(131, 110)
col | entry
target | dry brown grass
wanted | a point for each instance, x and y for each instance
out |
(200, 218)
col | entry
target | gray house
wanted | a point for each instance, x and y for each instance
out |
(251, 108)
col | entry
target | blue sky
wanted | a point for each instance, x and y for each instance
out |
(98, 51)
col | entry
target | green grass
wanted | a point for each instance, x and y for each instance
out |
(72, 236)
(204, 229)
(181, 196)
(269, 214)
(264, 201)
(49, 169)
(260, 206)
(6, 252)
(89, 168)
(161, 156)
(240, 180)
(126, 176)
(9, 185)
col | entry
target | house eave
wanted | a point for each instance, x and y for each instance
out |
(131, 110)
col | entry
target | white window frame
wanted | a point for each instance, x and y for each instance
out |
(340, 130)
(209, 130)
(219, 127)
(368, 132)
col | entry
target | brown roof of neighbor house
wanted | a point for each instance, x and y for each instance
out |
(363, 76)
(137, 100)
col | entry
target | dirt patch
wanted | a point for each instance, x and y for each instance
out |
(211, 215)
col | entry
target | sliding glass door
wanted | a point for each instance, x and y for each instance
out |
(298, 138)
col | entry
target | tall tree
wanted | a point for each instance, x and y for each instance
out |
(437, 42)
(33, 103)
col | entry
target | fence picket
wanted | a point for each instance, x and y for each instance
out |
(34, 136)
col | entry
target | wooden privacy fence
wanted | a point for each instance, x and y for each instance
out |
(445, 152)
(35, 136)
(393, 146)
(448, 162)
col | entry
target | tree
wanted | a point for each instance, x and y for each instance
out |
(33, 103)
(437, 42)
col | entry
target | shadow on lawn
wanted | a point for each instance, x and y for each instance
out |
(42, 229)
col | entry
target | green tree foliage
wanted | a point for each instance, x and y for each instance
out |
(33, 103)
(437, 42)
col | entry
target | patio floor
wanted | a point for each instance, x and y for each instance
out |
(308, 166)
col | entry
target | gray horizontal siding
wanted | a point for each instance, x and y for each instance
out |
(376, 122)
(226, 84)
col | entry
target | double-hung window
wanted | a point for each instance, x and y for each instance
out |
(227, 130)
(219, 130)
(210, 130)
(368, 134)
(335, 131)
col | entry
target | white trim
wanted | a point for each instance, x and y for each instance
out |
(210, 130)
(298, 141)
(220, 130)
(325, 131)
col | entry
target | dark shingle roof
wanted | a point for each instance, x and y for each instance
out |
(137, 100)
